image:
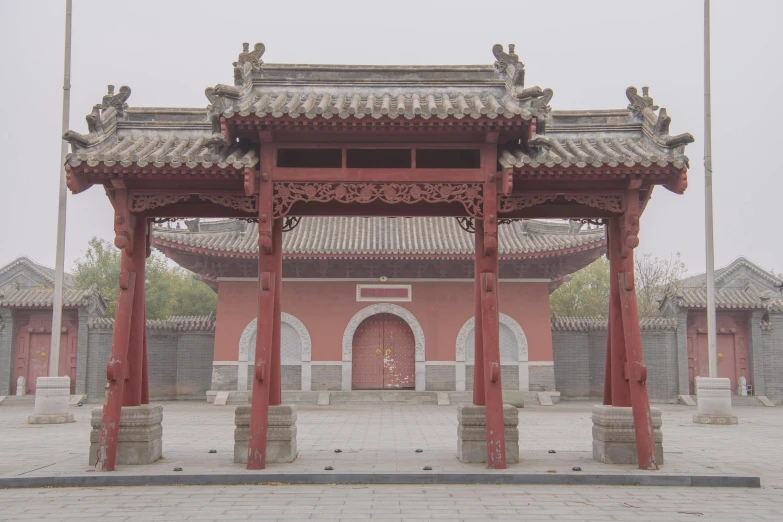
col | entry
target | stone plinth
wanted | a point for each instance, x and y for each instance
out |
(51, 401)
(472, 434)
(614, 438)
(140, 437)
(714, 401)
(280, 438)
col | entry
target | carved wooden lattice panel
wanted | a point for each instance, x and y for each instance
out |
(384, 354)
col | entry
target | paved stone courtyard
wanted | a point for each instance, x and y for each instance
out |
(384, 439)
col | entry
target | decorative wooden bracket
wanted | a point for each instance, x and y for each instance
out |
(251, 181)
(678, 181)
(124, 221)
(629, 222)
(75, 183)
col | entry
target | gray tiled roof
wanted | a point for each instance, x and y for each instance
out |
(157, 137)
(590, 324)
(700, 280)
(748, 298)
(199, 323)
(388, 237)
(585, 149)
(44, 271)
(43, 298)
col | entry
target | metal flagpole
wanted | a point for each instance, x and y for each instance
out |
(59, 266)
(711, 335)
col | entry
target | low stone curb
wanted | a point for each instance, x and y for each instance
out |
(584, 479)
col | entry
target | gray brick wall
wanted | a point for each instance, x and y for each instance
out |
(179, 364)
(509, 375)
(440, 377)
(6, 352)
(162, 365)
(195, 352)
(224, 377)
(291, 377)
(773, 357)
(82, 352)
(756, 349)
(580, 357)
(573, 370)
(98, 347)
(542, 378)
(327, 376)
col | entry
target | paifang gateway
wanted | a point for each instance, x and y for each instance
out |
(387, 225)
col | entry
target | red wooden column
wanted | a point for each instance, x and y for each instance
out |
(116, 369)
(275, 378)
(490, 327)
(267, 277)
(620, 392)
(136, 363)
(478, 358)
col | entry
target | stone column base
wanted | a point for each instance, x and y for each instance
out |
(140, 437)
(715, 419)
(614, 438)
(714, 401)
(51, 401)
(280, 438)
(472, 434)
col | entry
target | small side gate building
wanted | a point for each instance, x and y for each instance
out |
(471, 143)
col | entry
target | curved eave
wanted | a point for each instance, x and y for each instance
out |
(162, 243)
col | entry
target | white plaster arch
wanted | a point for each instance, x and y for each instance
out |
(519, 335)
(246, 351)
(247, 334)
(382, 308)
(522, 350)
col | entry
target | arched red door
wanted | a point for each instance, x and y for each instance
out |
(384, 354)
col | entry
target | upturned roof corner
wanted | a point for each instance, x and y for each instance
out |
(656, 125)
(102, 120)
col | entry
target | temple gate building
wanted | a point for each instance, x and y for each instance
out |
(409, 281)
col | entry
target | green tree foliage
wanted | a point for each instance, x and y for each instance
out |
(586, 294)
(170, 290)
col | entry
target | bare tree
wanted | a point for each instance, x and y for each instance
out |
(653, 277)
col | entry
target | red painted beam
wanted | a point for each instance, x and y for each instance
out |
(346, 175)
(637, 371)
(478, 358)
(116, 369)
(493, 388)
(134, 377)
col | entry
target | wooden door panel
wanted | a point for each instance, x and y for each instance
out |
(399, 363)
(367, 358)
(38, 362)
(726, 366)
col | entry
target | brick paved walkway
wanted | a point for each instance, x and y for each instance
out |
(384, 438)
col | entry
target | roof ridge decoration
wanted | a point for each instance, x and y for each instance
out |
(508, 65)
(246, 56)
(102, 121)
(656, 125)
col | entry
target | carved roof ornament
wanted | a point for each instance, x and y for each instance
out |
(116, 100)
(253, 58)
(507, 65)
(656, 124)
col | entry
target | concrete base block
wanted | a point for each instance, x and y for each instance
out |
(714, 401)
(50, 418)
(281, 434)
(51, 401)
(140, 437)
(614, 438)
(515, 398)
(472, 433)
(235, 398)
(715, 419)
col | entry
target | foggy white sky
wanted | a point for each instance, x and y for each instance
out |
(587, 51)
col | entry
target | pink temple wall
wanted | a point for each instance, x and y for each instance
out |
(326, 307)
